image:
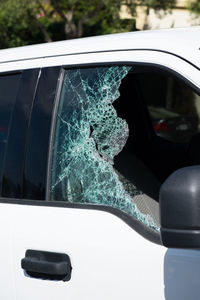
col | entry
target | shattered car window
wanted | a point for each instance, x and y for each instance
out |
(88, 136)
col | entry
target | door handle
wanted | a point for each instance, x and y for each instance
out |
(47, 265)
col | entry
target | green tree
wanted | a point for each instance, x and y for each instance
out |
(194, 7)
(83, 18)
(33, 21)
(16, 28)
(157, 5)
(101, 16)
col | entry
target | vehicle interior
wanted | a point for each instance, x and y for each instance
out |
(162, 112)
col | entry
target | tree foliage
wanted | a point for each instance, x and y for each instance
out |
(33, 21)
(16, 28)
(194, 7)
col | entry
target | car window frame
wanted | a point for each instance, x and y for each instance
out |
(132, 222)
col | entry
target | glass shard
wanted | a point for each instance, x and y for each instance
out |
(90, 136)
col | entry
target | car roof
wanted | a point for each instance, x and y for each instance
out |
(183, 42)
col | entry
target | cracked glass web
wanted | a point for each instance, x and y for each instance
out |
(89, 134)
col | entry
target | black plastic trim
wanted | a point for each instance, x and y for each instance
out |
(35, 168)
(180, 208)
(47, 265)
(16, 72)
(52, 131)
(148, 233)
(181, 238)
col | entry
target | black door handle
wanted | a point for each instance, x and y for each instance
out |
(47, 265)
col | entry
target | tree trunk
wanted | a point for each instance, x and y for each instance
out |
(146, 19)
(43, 30)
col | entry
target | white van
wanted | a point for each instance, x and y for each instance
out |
(97, 135)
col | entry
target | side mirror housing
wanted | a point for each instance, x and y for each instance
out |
(180, 209)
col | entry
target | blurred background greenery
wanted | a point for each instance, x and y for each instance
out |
(24, 22)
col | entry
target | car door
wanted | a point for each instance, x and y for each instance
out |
(41, 225)
(113, 250)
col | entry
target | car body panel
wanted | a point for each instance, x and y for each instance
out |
(135, 56)
(109, 259)
(182, 42)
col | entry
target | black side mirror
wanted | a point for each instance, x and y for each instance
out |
(180, 209)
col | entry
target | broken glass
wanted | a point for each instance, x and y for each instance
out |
(90, 135)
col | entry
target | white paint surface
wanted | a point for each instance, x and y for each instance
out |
(183, 42)
(109, 259)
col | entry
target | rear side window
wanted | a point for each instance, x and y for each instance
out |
(9, 85)
(89, 135)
